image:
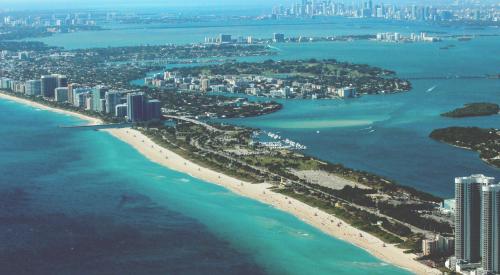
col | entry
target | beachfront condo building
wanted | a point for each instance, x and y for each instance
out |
(490, 229)
(113, 98)
(154, 109)
(51, 82)
(121, 110)
(98, 93)
(61, 94)
(468, 217)
(33, 87)
(139, 108)
(48, 85)
(62, 81)
(136, 107)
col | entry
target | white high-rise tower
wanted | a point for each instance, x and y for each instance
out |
(490, 228)
(468, 217)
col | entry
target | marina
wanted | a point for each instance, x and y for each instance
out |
(278, 142)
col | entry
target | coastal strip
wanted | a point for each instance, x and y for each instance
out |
(88, 119)
(260, 192)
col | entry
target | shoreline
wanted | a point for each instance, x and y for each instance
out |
(321, 220)
(88, 119)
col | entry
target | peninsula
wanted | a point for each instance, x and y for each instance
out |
(283, 79)
(484, 141)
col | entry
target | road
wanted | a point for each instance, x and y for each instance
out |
(194, 121)
(265, 171)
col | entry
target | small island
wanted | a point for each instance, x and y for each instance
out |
(474, 109)
(484, 141)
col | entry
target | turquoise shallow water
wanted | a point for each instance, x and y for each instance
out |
(83, 202)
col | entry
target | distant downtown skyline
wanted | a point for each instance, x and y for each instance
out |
(225, 4)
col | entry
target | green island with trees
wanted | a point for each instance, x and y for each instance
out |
(474, 109)
(484, 141)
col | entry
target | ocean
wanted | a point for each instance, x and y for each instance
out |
(82, 202)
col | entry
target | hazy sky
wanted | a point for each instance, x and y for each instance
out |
(176, 3)
(63, 4)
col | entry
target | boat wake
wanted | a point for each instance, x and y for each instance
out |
(431, 89)
(274, 48)
(369, 129)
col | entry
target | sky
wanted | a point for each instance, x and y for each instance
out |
(77, 4)
(110, 3)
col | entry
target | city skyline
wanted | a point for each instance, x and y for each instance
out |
(117, 4)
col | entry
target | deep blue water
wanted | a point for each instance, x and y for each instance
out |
(82, 202)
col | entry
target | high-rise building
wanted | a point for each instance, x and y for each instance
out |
(102, 105)
(468, 217)
(490, 229)
(153, 109)
(80, 96)
(89, 102)
(62, 81)
(48, 85)
(121, 110)
(346, 92)
(136, 107)
(98, 93)
(225, 38)
(33, 87)
(5, 83)
(71, 92)
(112, 98)
(140, 109)
(278, 38)
(61, 94)
(205, 84)
(439, 245)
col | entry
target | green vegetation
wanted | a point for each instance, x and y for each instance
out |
(484, 141)
(24, 46)
(180, 143)
(407, 213)
(360, 219)
(197, 104)
(474, 109)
